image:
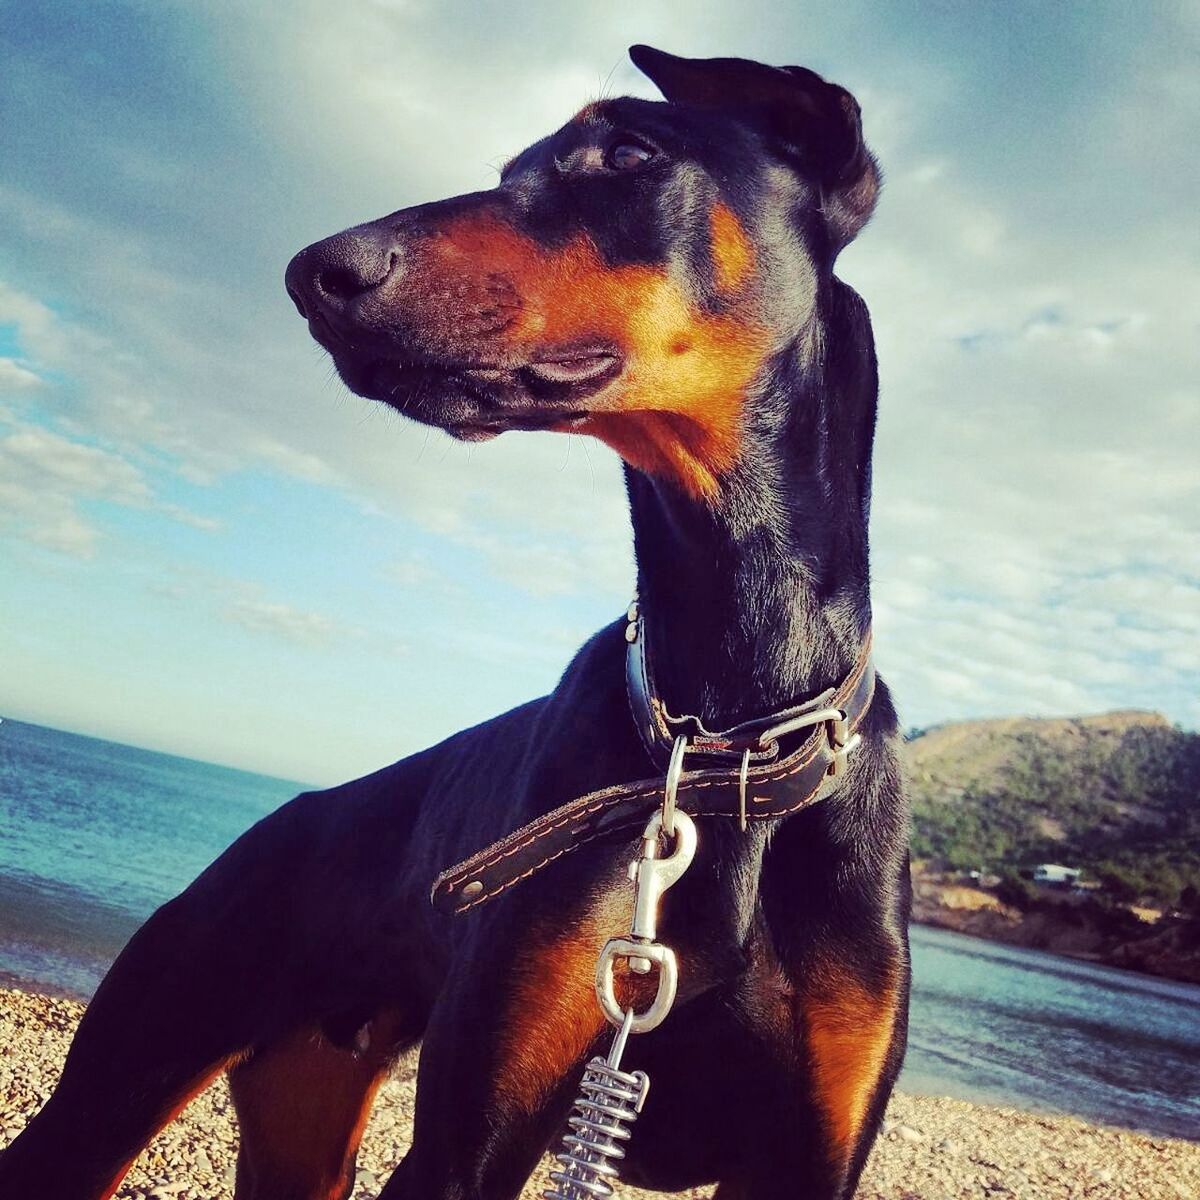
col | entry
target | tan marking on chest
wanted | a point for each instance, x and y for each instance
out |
(552, 1016)
(848, 1030)
(302, 1106)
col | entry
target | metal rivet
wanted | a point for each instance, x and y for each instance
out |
(472, 889)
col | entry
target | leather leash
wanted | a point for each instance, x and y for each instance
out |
(759, 770)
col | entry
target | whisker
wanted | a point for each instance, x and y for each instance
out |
(604, 86)
(591, 469)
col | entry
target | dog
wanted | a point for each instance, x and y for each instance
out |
(658, 275)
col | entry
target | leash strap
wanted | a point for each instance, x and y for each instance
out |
(758, 771)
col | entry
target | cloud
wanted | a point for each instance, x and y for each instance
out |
(57, 461)
(419, 573)
(307, 629)
(1036, 509)
(33, 319)
(538, 565)
(42, 477)
(16, 378)
(45, 476)
(266, 610)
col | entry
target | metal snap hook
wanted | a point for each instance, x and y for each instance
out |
(652, 875)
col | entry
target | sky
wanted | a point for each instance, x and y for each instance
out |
(208, 546)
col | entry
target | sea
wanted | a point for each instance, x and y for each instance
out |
(94, 835)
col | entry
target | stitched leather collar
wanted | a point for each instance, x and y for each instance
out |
(759, 770)
(658, 729)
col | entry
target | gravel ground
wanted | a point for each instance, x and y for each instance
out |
(931, 1148)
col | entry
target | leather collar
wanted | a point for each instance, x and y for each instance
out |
(759, 770)
(658, 729)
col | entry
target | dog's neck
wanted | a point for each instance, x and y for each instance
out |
(758, 597)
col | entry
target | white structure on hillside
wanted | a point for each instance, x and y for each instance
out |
(1053, 874)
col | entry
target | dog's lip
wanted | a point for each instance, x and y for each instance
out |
(549, 389)
(576, 367)
(557, 420)
(586, 364)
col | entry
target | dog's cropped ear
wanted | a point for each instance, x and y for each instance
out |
(817, 124)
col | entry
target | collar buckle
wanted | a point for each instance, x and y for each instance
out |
(841, 740)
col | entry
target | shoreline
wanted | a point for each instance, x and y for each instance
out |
(943, 918)
(1167, 950)
(931, 1148)
(947, 922)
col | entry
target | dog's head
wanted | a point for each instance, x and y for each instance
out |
(630, 276)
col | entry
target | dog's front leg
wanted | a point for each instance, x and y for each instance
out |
(169, 1016)
(230, 965)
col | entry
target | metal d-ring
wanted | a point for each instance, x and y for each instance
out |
(837, 728)
(743, 780)
(674, 772)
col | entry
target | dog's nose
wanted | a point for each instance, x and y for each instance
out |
(326, 276)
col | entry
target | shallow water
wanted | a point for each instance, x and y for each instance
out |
(1033, 1030)
(94, 835)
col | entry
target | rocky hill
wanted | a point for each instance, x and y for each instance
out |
(1117, 794)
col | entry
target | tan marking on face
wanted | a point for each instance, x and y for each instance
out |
(847, 1031)
(732, 250)
(675, 412)
(552, 1014)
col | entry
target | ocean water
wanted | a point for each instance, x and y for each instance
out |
(95, 835)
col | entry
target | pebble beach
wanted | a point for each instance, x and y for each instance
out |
(930, 1149)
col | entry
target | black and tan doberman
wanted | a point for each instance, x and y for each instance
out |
(658, 275)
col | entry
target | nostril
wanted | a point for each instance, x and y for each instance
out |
(363, 273)
(341, 284)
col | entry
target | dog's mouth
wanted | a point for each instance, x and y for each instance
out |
(476, 400)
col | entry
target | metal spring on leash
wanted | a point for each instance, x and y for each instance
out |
(608, 1104)
(610, 1099)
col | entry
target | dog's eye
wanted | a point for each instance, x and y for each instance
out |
(627, 156)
